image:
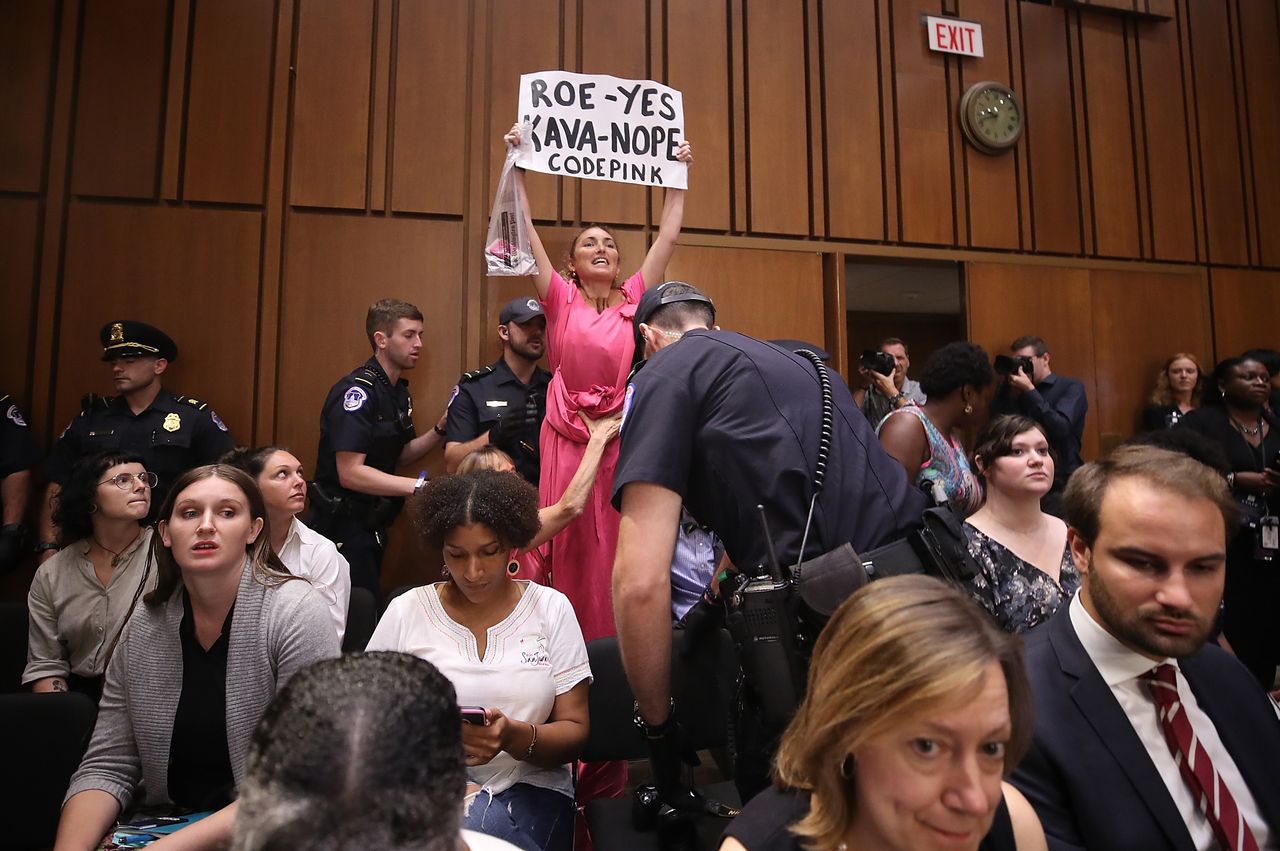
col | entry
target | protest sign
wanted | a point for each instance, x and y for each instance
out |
(602, 127)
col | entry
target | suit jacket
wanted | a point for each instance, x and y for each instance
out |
(1089, 776)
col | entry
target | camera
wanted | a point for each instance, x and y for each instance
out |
(881, 362)
(1005, 365)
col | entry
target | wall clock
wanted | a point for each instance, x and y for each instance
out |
(991, 116)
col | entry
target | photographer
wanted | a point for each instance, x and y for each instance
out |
(695, 432)
(886, 387)
(1031, 388)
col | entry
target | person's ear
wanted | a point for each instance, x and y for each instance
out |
(163, 529)
(504, 333)
(379, 340)
(160, 365)
(255, 529)
(1080, 551)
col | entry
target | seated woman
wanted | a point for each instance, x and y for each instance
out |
(1177, 393)
(81, 599)
(958, 379)
(224, 628)
(304, 551)
(531, 563)
(510, 647)
(917, 706)
(1026, 568)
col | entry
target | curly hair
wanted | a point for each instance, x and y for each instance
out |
(362, 751)
(953, 366)
(1162, 395)
(77, 499)
(504, 502)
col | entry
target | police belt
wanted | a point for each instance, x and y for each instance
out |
(337, 503)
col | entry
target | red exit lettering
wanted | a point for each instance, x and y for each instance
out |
(953, 36)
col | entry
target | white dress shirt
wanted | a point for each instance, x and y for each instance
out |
(308, 553)
(1121, 669)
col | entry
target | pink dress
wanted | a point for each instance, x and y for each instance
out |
(590, 356)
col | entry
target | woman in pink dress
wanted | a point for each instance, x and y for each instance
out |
(592, 342)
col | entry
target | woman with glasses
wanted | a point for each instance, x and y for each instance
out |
(81, 598)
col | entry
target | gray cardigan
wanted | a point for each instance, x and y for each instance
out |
(275, 632)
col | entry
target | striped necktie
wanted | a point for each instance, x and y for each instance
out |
(1212, 795)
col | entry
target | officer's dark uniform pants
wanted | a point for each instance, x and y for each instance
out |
(754, 745)
(361, 548)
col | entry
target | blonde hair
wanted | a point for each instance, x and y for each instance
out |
(487, 457)
(896, 649)
(1162, 395)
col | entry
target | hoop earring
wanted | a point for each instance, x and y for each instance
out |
(968, 409)
(513, 567)
(93, 507)
(444, 571)
(848, 767)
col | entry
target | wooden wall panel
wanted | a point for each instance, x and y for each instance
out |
(1245, 306)
(429, 135)
(228, 101)
(1050, 135)
(1110, 134)
(19, 248)
(992, 196)
(851, 114)
(1128, 354)
(778, 160)
(192, 272)
(120, 98)
(26, 61)
(697, 56)
(603, 52)
(923, 115)
(331, 105)
(1220, 151)
(767, 294)
(1260, 39)
(1172, 199)
(1052, 302)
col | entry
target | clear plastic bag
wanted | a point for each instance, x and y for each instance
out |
(508, 251)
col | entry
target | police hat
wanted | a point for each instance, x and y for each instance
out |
(794, 345)
(656, 297)
(127, 337)
(520, 310)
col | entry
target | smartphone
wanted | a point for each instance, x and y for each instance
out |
(473, 715)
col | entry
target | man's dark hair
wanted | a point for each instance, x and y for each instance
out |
(1036, 344)
(362, 751)
(953, 366)
(75, 501)
(505, 503)
(682, 314)
(383, 315)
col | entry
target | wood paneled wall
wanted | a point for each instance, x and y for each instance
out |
(252, 173)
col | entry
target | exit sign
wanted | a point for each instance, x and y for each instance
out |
(950, 35)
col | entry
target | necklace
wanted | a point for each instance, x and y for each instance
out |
(115, 556)
(1246, 430)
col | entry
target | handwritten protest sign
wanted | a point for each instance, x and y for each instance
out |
(602, 127)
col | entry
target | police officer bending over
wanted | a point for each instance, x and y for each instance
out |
(172, 432)
(503, 404)
(722, 422)
(366, 432)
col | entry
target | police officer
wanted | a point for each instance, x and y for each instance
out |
(503, 403)
(18, 454)
(366, 432)
(723, 423)
(172, 432)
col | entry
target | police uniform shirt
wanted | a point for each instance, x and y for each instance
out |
(365, 413)
(729, 422)
(18, 449)
(486, 395)
(173, 434)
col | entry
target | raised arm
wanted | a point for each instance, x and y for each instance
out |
(543, 279)
(574, 501)
(655, 262)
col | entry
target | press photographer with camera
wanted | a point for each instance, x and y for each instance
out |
(886, 387)
(1030, 387)
(695, 432)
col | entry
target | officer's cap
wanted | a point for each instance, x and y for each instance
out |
(520, 310)
(127, 337)
(659, 296)
(795, 345)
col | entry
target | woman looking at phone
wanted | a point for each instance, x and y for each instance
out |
(512, 649)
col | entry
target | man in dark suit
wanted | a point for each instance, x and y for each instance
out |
(1056, 402)
(1125, 685)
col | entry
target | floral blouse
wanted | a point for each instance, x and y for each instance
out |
(1017, 594)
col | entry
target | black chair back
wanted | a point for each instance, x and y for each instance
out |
(13, 646)
(362, 618)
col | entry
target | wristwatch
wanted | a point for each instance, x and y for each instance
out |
(902, 395)
(46, 545)
(436, 428)
(654, 731)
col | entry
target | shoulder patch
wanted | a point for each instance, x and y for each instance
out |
(453, 394)
(626, 406)
(475, 373)
(354, 399)
(213, 415)
(14, 414)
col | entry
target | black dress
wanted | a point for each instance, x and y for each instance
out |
(1253, 586)
(1160, 417)
(1017, 594)
(764, 823)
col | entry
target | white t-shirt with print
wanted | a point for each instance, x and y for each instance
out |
(533, 655)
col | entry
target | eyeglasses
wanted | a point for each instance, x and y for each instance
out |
(124, 481)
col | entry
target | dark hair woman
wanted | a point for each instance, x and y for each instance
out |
(1236, 417)
(511, 647)
(958, 380)
(223, 629)
(81, 599)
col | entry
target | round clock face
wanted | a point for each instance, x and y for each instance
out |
(991, 117)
